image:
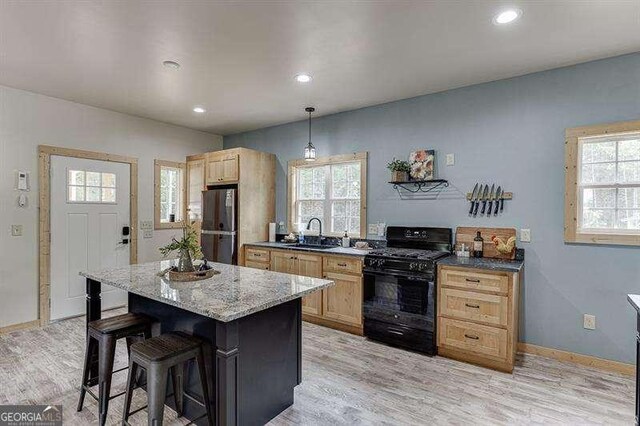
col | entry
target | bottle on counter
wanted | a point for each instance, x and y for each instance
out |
(346, 241)
(478, 243)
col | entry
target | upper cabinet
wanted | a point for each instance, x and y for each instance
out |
(222, 167)
(195, 186)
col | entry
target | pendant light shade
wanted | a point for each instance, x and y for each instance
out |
(310, 150)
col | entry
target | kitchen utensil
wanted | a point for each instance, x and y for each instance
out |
(492, 196)
(502, 202)
(499, 192)
(477, 200)
(485, 197)
(474, 193)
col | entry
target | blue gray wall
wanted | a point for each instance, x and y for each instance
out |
(510, 132)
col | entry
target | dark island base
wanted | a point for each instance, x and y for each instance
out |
(252, 363)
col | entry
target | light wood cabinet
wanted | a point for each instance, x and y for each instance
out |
(222, 167)
(257, 265)
(339, 306)
(343, 301)
(478, 315)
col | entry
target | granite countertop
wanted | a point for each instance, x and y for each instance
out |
(234, 293)
(288, 246)
(483, 263)
(634, 300)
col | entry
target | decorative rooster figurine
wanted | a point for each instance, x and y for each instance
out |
(502, 247)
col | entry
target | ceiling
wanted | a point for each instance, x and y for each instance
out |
(238, 59)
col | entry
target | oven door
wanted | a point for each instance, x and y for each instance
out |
(399, 308)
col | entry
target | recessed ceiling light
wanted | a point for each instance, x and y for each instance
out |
(303, 78)
(507, 16)
(199, 109)
(171, 64)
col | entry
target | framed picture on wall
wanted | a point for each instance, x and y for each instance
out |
(422, 163)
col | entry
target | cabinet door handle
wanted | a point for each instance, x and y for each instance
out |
(472, 280)
(472, 306)
(468, 336)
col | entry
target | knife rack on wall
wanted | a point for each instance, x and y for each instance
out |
(492, 198)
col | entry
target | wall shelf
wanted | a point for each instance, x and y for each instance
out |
(415, 186)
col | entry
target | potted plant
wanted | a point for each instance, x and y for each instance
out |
(188, 249)
(399, 170)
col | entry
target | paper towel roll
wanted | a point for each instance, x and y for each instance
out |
(272, 232)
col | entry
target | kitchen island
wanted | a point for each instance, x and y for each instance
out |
(250, 319)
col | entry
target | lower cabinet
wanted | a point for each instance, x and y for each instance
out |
(339, 306)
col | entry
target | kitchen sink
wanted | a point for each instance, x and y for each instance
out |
(314, 246)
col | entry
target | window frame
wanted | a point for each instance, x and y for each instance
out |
(292, 190)
(572, 204)
(158, 166)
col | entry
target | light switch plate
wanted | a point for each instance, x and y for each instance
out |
(146, 224)
(525, 235)
(373, 229)
(451, 159)
(16, 230)
(147, 233)
(589, 322)
(382, 227)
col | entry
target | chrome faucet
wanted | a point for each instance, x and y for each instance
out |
(319, 223)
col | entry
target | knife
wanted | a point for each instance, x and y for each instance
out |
(485, 197)
(492, 196)
(498, 196)
(474, 194)
(502, 201)
(477, 201)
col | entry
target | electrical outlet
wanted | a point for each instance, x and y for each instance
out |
(147, 233)
(146, 224)
(525, 235)
(589, 322)
(382, 227)
(373, 229)
(451, 159)
(16, 230)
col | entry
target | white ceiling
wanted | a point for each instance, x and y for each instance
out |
(239, 58)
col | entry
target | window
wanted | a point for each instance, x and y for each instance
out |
(332, 189)
(169, 196)
(91, 187)
(603, 184)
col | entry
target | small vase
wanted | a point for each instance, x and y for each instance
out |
(185, 264)
(398, 176)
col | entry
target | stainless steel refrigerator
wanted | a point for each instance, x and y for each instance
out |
(219, 225)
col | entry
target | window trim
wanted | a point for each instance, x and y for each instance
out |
(158, 165)
(293, 165)
(571, 197)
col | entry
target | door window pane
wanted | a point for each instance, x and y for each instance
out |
(89, 187)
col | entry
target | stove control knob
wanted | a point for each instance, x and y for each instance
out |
(380, 263)
(413, 266)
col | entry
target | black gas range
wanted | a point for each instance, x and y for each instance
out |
(400, 287)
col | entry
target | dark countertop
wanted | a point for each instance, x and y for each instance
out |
(634, 300)
(483, 263)
(352, 251)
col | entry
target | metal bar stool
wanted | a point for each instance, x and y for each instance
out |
(101, 341)
(159, 356)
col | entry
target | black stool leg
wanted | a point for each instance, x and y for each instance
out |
(205, 386)
(156, 391)
(86, 371)
(131, 379)
(177, 378)
(107, 351)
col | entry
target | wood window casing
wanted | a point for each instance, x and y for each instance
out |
(181, 208)
(292, 190)
(572, 208)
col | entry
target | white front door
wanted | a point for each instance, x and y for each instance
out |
(90, 202)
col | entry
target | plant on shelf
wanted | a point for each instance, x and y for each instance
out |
(187, 247)
(399, 170)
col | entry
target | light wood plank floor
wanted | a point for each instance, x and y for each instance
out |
(346, 380)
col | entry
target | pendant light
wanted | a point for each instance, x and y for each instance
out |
(310, 150)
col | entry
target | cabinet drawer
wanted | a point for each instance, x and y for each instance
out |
(342, 265)
(467, 336)
(468, 305)
(475, 280)
(257, 254)
(256, 265)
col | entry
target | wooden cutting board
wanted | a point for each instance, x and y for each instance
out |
(467, 234)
